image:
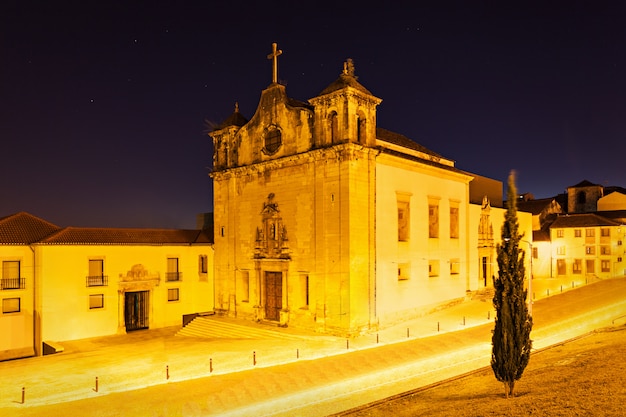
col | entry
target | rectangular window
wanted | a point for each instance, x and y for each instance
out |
(560, 232)
(403, 221)
(433, 268)
(11, 279)
(560, 266)
(96, 301)
(590, 250)
(10, 305)
(244, 286)
(304, 284)
(590, 232)
(560, 250)
(433, 220)
(535, 253)
(605, 232)
(404, 272)
(577, 267)
(96, 277)
(606, 266)
(173, 294)
(578, 233)
(605, 250)
(455, 266)
(591, 266)
(454, 222)
(203, 262)
(172, 274)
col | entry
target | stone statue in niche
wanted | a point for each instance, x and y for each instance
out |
(271, 236)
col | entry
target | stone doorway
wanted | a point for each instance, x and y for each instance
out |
(273, 295)
(136, 305)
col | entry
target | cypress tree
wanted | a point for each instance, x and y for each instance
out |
(511, 341)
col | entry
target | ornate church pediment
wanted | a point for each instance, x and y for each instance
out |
(271, 239)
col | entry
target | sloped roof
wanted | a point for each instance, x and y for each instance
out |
(583, 183)
(582, 220)
(235, 119)
(534, 207)
(126, 236)
(401, 140)
(23, 229)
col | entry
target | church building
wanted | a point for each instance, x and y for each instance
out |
(324, 220)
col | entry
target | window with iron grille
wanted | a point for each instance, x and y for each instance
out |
(96, 277)
(11, 279)
(96, 301)
(172, 274)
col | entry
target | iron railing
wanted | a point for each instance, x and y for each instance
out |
(13, 283)
(97, 281)
(173, 276)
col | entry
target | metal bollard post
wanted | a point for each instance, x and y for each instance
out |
(463, 320)
(210, 365)
(438, 327)
(23, 394)
(407, 332)
(167, 372)
(489, 315)
(297, 353)
(376, 338)
(347, 344)
(96, 389)
(254, 358)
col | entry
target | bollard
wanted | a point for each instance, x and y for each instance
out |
(561, 287)
(347, 344)
(96, 389)
(297, 353)
(572, 284)
(210, 365)
(489, 315)
(437, 326)
(167, 372)
(548, 292)
(23, 394)
(407, 332)
(254, 358)
(463, 320)
(376, 338)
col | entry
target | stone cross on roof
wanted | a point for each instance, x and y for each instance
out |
(274, 57)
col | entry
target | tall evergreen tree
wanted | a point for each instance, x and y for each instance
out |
(511, 342)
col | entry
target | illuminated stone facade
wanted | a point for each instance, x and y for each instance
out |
(326, 221)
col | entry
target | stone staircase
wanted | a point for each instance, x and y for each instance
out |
(216, 327)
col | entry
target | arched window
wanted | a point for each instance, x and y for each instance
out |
(581, 198)
(360, 129)
(334, 128)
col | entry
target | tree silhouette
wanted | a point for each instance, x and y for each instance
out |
(511, 342)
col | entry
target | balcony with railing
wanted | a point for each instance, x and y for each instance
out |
(174, 276)
(13, 283)
(97, 281)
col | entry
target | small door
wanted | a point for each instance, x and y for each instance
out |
(273, 295)
(136, 310)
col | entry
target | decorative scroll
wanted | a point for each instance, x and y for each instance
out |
(271, 239)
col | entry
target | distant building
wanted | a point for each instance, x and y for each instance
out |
(70, 283)
(327, 221)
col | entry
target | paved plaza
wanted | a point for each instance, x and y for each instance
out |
(245, 368)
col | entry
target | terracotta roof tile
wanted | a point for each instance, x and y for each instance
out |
(23, 229)
(126, 236)
(582, 220)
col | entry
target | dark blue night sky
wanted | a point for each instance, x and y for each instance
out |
(103, 104)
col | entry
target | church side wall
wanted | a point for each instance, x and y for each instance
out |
(418, 272)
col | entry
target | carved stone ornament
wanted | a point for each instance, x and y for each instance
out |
(138, 278)
(271, 239)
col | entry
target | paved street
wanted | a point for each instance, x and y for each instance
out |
(274, 371)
